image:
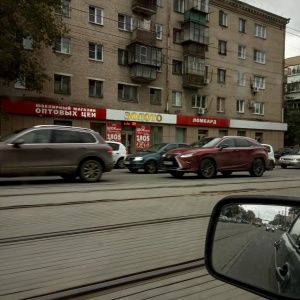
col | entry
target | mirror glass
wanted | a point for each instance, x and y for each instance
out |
(259, 245)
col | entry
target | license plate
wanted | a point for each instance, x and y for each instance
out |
(168, 163)
(126, 162)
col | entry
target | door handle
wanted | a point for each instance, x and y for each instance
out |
(277, 244)
(283, 274)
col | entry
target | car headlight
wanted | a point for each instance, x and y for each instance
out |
(187, 154)
(138, 158)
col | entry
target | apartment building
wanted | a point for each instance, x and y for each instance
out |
(148, 71)
(292, 81)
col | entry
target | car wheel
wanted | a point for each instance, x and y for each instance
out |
(258, 168)
(133, 170)
(271, 165)
(90, 170)
(283, 166)
(120, 163)
(69, 177)
(207, 169)
(150, 167)
(226, 173)
(177, 174)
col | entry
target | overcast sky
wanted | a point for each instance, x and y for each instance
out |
(288, 9)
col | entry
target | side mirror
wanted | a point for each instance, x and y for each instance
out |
(18, 142)
(254, 257)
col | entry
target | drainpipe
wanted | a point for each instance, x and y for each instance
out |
(169, 65)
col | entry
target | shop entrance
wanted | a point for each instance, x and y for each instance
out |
(128, 141)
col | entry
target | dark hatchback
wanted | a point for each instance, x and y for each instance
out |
(220, 154)
(150, 159)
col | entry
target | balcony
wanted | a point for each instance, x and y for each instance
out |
(194, 16)
(193, 81)
(193, 32)
(194, 49)
(145, 7)
(144, 37)
(143, 73)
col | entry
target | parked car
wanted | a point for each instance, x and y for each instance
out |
(290, 160)
(221, 154)
(119, 153)
(55, 150)
(150, 159)
(282, 151)
(271, 156)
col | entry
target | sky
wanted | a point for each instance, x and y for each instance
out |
(288, 9)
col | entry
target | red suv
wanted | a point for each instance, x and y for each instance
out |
(220, 154)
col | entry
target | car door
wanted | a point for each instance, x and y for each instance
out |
(225, 154)
(287, 261)
(244, 152)
(33, 156)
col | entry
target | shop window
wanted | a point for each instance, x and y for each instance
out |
(62, 122)
(156, 135)
(180, 135)
(223, 132)
(202, 134)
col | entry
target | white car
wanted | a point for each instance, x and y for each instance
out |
(271, 156)
(119, 153)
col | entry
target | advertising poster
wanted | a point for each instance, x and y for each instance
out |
(142, 137)
(113, 132)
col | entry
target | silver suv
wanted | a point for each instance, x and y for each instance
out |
(55, 150)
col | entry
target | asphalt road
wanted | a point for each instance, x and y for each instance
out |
(56, 235)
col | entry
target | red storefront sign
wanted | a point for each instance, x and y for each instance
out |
(114, 132)
(54, 110)
(142, 137)
(203, 121)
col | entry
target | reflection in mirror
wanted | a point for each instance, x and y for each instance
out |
(259, 245)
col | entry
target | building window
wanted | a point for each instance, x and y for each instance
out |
(199, 101)
(260, 31)
(222, 47)
(96, 15)
(240, 106)
(241, 52)
(222, 18)
(63, 45)
(242, 25)
(176, 98)
(179, 6)
(259, 57)
(223, 132)
(62, 84)
(95, 88)
(95, 51)
(122, 57)
(127, 93)
(64, 9)
(159, 32)
(221, 75)
(241, 79)
(259, 82)
(220, 104)
(159, 3)
(176, 36)
(155, 96)
(125, 22)
(194, 65)
(258, 108)
(177, 67)
(27, 43)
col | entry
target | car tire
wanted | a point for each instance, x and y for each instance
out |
(120, 163)
(283, 166)
(207, 169)
(177, 174)
(271, 165)
(258, 168)
(133, 170)
(226, 173)
(69, 177)
(90, 170)
(150, 167)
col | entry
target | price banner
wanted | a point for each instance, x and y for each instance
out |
(142, 137)
(113, 132)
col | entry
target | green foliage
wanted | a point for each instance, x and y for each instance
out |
(21, 19)
(291, 117)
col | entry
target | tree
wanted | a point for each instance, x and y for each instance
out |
(36, 22)
(291, 117)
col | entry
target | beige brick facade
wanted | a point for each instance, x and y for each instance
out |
(267, 126)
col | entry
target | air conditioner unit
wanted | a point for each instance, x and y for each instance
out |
(255, 89)
(201, 111)
(206, 81)
(251, 104)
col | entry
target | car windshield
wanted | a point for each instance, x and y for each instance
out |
(155, 147)
(205, 142)
(294, 152)
(10, 135)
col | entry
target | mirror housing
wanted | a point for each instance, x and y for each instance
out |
(18, 142)
(220, 265)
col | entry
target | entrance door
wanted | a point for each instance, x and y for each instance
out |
(127, 141)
